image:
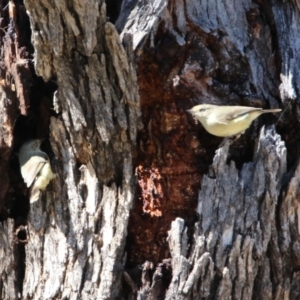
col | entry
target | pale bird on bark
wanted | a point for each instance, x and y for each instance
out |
(35, 167)
(227, 121)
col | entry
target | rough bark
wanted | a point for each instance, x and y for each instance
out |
(244, 244)
(77, 231)
(205, 225)
(84, 219)
(236, 229)
(15, 83)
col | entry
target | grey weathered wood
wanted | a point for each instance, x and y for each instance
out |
(78, 231)
(245, 244)
(233, 202)
(245, 229)
(9, 281)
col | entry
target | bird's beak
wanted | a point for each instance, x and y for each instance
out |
(190, 111)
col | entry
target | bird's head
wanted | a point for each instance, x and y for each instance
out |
(201, 110)
(32, 145)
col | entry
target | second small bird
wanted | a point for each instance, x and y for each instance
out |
(226, 121)
(35, 167)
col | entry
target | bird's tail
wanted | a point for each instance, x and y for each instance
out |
(274, 110)
(35, 194)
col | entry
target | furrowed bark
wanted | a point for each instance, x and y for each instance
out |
(204, 224)
(77, 234)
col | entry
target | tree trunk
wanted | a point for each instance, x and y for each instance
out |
(206, 223)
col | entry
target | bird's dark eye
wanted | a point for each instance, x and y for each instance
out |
(202, 110)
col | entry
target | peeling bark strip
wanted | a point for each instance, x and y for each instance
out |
(77, 233)
(15, 83)
(223, 263)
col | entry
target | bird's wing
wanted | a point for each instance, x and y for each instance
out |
(232, 113)
(31, 169)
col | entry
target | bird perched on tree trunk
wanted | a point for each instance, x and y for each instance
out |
(227, 121)
(35, 167)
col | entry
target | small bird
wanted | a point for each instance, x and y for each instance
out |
(227, 121)
(35, 167)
